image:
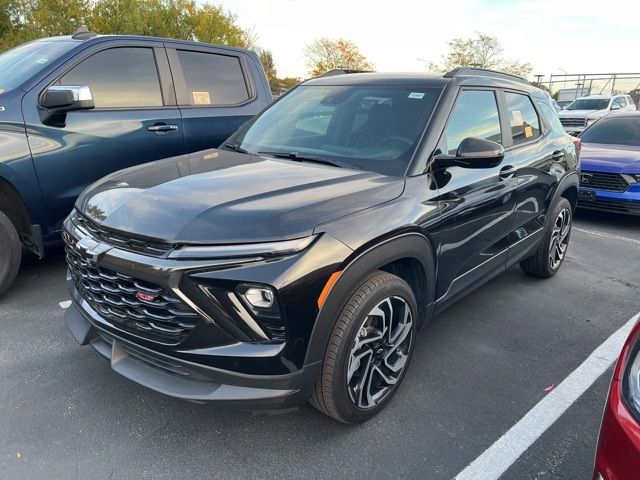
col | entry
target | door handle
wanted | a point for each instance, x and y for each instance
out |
(507, 172)
(557, 155)
(162, 128)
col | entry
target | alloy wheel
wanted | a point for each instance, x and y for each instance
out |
(560, 238)
(380, 352)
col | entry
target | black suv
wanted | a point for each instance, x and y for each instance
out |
(297, 261)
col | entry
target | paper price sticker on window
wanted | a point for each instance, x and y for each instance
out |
(516, 118)
(416, 95)
(201, 98)
(528, 132)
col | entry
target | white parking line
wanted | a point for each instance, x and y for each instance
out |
(607, 235)
(508, 448)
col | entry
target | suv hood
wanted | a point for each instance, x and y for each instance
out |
(221, 197)
(610, 158)
(582, 113)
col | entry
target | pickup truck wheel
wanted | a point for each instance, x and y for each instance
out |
(548, 258)
(11, 253)
(368, 351)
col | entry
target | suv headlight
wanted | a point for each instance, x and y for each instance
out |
(255, 250)
(593, 118)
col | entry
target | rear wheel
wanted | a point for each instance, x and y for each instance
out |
(368, 351)
(10, 253)
(546, 261)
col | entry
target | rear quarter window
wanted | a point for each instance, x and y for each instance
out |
(550, 118)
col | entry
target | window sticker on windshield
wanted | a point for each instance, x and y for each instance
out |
(528, 131)
(201, 98)
(416, 95)
(516, 118)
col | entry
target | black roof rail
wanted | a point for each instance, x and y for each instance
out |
(341, 71)
(486, 72)
(83, 33)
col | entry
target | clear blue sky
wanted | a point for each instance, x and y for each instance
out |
(552, 35)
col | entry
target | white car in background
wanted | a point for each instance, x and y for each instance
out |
(583, 111)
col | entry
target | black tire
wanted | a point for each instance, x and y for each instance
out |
(332, 395)
(541, 264)
(10, 253)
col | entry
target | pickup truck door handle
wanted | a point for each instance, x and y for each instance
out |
(557, 155)
(507, 172)
(162, 128)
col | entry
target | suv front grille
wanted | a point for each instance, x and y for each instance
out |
(154, 249)
(574, 122)
(603, 181)
(160, 317)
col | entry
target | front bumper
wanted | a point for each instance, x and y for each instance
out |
(618, 454)
(179, 378)
(217, 358)
(627, 202)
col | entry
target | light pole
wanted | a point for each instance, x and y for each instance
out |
(426, 62)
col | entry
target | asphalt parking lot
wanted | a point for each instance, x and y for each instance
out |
(478, 369)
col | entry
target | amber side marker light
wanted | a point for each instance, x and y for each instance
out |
(327, 288)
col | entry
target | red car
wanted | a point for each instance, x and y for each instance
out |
(618, 453)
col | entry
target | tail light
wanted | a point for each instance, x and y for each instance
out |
(628, 371)
(577, 143)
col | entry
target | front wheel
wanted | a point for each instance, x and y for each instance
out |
(546, 261)
(369, 350)
(10, 253)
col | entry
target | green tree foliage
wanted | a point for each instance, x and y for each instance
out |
(481, 51)
(23, 20)
(325, 54)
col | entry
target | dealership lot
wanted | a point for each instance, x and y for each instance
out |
(478, 369)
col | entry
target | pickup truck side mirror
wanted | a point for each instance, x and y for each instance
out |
(472, 152)
(57, 100)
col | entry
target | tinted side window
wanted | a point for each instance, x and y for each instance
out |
(474, 115)
(213, 79)
(119, 77)
(523, 118)
(551, 117)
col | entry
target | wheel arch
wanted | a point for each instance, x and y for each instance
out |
(408, 255)
(13, 206)
(568, 188)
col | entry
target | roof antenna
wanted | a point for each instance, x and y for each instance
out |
(83, 33)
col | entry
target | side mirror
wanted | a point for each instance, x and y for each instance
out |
(66, 98)
(472, 153)
(57, 100)
(615, 106)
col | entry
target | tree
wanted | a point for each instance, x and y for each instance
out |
(23, 20)
(481, 51)
(325, 54)
(269, 67)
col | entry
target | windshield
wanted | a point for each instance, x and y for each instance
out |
(373, 128)
(24, 61)
(614, 131)
(589, 104)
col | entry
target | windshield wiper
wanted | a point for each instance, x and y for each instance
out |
(302, 158)
(235, 147)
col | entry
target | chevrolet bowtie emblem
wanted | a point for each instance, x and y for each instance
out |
(91, 250)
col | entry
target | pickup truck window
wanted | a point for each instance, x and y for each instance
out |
(24, 61)
(213, 79)
(119, 77)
